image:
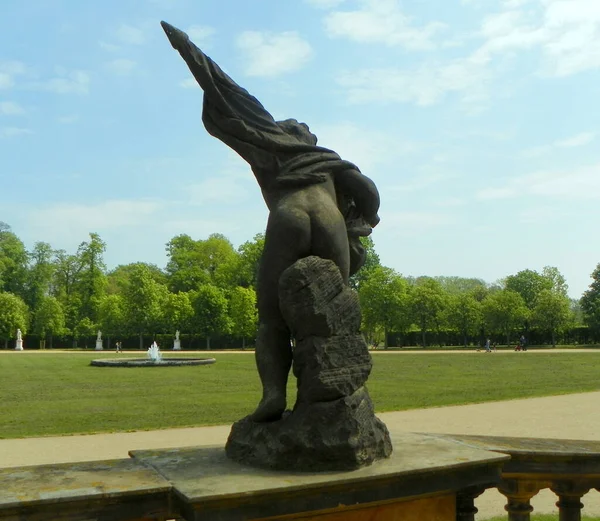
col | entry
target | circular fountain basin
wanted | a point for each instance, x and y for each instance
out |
(143, 362)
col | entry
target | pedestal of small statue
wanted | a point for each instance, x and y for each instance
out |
(99, 346)
(19, 344)
(333, 425)
(176, 345)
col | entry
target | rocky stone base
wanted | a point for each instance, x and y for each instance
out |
(342, 434)
(333, 424)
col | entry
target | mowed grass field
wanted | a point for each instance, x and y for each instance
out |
(60, 393)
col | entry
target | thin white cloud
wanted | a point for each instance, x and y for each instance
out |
(369, 149)
(381, 21)
(6, 132)
(111, 47)
(78, 219)
(68, 120)
(9, 71)
(11, 108)
(188, 83)
(75, 82)
(272, 54)
(563, 34)
(579, 140)
(121, 66)
(130, 35)
(425, 85)
(324, 4)
(201, 35)
(581, 183)
(222, 189)
(412, 223)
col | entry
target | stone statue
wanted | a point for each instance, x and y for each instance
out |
(319, 206)
(177, 335)
(19, 335)
(99, 337)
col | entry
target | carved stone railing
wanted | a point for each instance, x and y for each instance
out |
(570, 468)
(428, 477)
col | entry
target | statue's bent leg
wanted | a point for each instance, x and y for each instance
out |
(287, 240)
(273, 360)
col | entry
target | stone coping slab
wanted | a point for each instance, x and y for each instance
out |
(208, 486)
(66, 482)
(544, 457)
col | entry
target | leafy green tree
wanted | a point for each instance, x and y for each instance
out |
(13, 262)
(372, 261)
(428, 303)
(504, 311)
(194, 263)
(242, 270)
(144, 298)
(64, 286)
(243, 313)
(557, 280)
(14, 315)
(117, 279)
(461, 285)
(40, 273)
(590, 301)
(552, 312)
(464, 314)
(529, 284)
(177, 312)
(49, 320)
(384, 302)
(210, 312)
(91, 283)
(85, 329)
(111, 316)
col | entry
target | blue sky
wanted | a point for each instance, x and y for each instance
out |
(477, 119)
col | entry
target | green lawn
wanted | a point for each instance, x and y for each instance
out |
(55, 393)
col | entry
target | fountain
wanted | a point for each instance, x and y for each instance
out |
(154, 353)
(154, 358)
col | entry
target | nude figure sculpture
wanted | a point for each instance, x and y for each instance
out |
(318, 204)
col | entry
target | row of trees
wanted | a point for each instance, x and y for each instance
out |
(208, 288)
(395, 304)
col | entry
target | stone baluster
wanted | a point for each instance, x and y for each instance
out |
(569, 499)
(465, 503)
(519, 492)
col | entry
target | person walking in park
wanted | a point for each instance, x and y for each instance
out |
(487, 346)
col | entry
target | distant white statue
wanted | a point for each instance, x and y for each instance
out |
(19, 343)
(99, 346)
(177, 342)
(177, 335)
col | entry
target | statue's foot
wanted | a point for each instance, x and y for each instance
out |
(269, 409)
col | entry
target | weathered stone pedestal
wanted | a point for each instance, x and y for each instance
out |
(333, 424)
(418, 482)
(99, 346)
(19, 344)
(176, 345)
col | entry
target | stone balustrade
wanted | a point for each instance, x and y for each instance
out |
(428, 477)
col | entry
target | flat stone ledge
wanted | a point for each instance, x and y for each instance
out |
(115, 489)
(209, 486)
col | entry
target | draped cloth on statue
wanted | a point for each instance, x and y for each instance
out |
(281, 154)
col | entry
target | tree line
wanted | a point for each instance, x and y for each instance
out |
(208, 289)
